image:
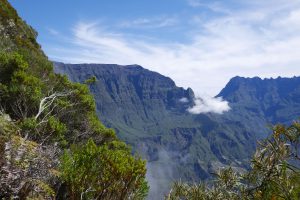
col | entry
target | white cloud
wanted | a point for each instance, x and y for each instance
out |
(214, 6)
(261, 39)
(194, 3)
(206, 104)
(184, 100)
(150, 23)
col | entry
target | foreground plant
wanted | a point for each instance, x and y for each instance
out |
(52, 144)
(103, 172)
(274, 173)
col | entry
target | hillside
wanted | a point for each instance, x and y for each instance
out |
(275, 100)
(146, 110)
(52, 144)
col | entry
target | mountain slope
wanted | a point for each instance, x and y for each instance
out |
(147, 109)
(131, 97)
(276, 100)
(149, 104)
(52, 144)
(148, 112)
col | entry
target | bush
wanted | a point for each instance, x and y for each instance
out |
(274, 173)
(103, 172)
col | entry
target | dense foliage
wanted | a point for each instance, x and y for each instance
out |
(51, 141)
(103, 172)
(274, 174)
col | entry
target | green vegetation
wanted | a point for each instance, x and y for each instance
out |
(91, 80)
(51, 141)
(274, 173)
(52, 144)
(103, 172)
(153, 120)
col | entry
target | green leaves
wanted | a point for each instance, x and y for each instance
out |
(46, 115)
(21, 91)
(100, 172)
(274, 173)
(91, 80)
(55, 110)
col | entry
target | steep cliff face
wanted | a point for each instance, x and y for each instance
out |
(150, 112)
(131, 97)
(275, 100)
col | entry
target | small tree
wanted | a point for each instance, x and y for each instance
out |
(103, 172)
(274, 173)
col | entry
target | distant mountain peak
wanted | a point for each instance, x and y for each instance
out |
(238, 84)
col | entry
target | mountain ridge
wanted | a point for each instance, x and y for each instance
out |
(274, 97)
(146, 110)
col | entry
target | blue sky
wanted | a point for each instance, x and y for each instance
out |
(198, 43)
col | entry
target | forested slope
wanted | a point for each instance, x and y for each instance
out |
(52, 144)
